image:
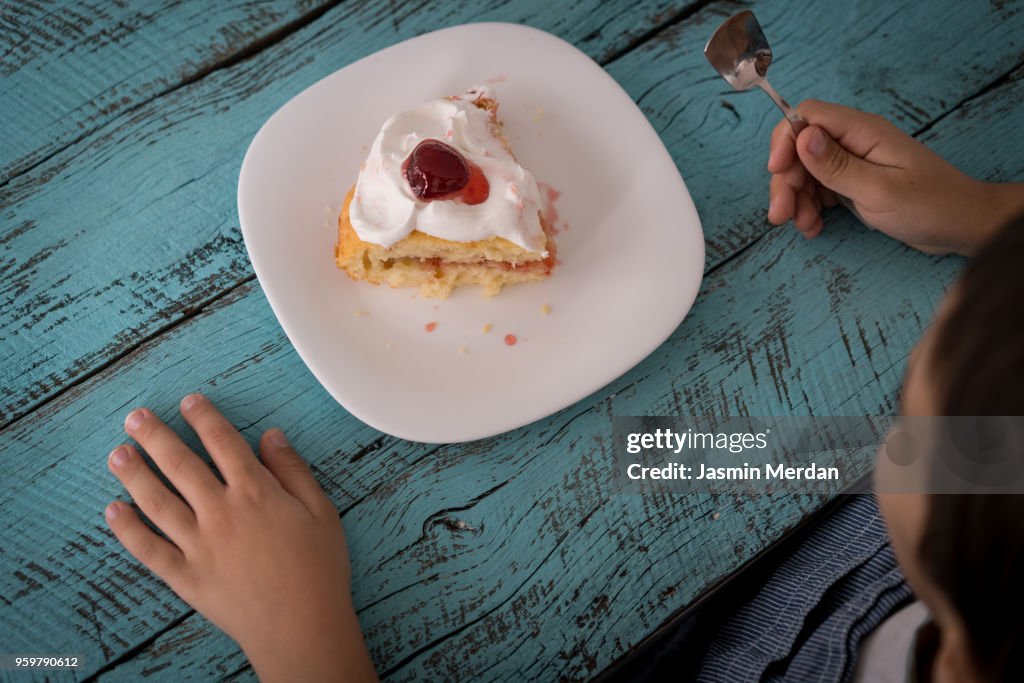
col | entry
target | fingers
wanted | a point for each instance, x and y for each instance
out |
(183, 468)
(786, 176)
(839, 169)
(782, 152)
(158, 555)
(226, 446)
(808, 215)
(782, 191)
(847, 151)
(166, 510)
(782, 200)
(292, 472)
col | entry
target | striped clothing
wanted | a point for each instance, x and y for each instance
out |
(807, 622)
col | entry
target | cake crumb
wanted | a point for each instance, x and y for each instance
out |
(430, 327)
(359, 313)
(510, 339)
(488, 327)
(715, 516)
(463, 351)
(545, 309)
(539, 115)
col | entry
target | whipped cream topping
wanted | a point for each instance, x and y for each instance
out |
(384, 209)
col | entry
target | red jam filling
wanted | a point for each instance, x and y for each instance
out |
(435, 170)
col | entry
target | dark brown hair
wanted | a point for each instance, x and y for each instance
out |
(972, 548)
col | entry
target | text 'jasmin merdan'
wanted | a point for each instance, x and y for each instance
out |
(746, 472)
(668, 440)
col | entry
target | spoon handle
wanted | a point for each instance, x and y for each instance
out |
(794, 119)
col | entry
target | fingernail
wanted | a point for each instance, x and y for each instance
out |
(134, 420)
(277, 437)
(112, 510)
(189, 401)
(816, 145)
(119, 456)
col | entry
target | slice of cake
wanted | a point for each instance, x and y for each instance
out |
(441, 202)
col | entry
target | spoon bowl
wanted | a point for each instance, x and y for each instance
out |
(739, 52)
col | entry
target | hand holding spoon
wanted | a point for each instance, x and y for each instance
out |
(740, 53)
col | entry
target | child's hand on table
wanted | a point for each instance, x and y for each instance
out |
(897, 184)
(262, 555)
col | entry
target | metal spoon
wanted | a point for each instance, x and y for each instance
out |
(740, 53)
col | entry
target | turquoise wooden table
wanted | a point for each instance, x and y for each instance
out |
(125, 282)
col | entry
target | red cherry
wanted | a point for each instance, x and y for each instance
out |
(435, 170)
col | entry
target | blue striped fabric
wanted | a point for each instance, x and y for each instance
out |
(807, 621)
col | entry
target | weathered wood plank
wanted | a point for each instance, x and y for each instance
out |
(508, 557)
(66, 70)
(131, 229)
(177, 242)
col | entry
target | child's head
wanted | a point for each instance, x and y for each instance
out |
(964, 554)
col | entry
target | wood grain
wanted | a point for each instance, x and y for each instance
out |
(506, 558)
(130, 231)
(67, 70)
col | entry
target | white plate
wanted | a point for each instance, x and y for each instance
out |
(632, 254)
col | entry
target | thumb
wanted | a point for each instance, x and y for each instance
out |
(835, 167)
(291, 471)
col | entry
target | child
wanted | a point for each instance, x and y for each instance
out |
(961, 554)
(263, 555)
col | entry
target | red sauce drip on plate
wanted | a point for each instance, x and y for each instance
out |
(510, 339)
(429, 327)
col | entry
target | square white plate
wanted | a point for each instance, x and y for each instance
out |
(631, 244)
